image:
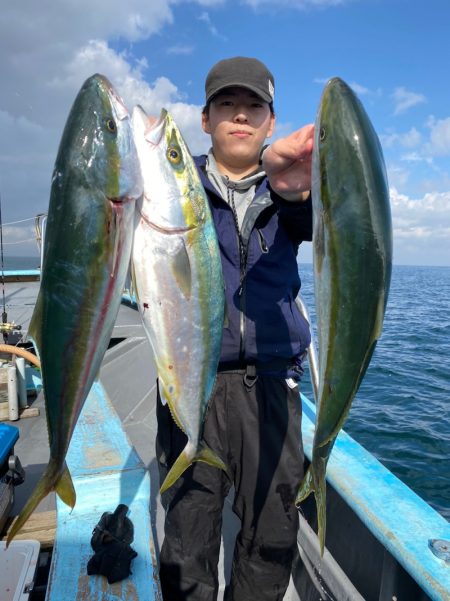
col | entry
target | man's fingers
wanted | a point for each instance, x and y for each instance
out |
(296, 146)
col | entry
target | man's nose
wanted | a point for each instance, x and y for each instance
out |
(240, 116)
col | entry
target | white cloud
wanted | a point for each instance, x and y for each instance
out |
(416, 157)
(439, 182)
(180, 49)
(321, 80)
(210, 25)
(439, 144)
(405, 99)
(188, 119)
(426, 157)
(26, 162)
(207, 3)
(48, 49)
(433, 208)
(421, 228)
(398, 176)
(69, 23)
(38, 39)
(297, 4)
(126, 78)
(359, 89)
(410, 139)
(20, 236)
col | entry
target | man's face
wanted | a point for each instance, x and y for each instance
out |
(238, 121)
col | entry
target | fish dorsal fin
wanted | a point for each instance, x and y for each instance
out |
(181, 268)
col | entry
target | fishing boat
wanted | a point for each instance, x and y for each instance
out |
(384, 543)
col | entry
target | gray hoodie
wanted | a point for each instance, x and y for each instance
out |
(238, 194)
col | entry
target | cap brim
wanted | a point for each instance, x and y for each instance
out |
(263, 95)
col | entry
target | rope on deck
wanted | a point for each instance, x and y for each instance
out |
(17, 350)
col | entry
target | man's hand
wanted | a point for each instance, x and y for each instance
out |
(287, 163)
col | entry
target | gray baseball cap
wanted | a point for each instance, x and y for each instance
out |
(240, 71)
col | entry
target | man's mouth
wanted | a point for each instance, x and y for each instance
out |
(240, 133)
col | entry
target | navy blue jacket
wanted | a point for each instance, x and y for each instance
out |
(264, 325)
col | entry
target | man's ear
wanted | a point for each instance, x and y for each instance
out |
(205, 123)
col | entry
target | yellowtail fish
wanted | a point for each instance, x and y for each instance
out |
(178, 280)
(352, 252)
(88, 239)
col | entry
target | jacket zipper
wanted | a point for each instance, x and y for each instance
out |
(262, 242)
(243, 250)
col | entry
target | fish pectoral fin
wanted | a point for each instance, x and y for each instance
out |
(186, 458)
(181, 269)
(51, 479)
(65, 488)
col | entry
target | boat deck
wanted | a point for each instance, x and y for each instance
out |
(377, 534)
(135, 404)
(133, 399)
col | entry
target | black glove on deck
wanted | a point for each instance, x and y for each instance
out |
(111, 541)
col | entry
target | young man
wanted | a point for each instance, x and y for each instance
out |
(261, 207)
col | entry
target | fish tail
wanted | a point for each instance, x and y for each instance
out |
(51, 479)
(321, 504)
(315, 482)
(186, 458)
(65, 489)
(211, 458)
(306, 487)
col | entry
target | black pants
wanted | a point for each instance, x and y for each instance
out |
(256, 430)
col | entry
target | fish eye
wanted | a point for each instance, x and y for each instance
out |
(111, 125)
(322, 134)
(174, 155)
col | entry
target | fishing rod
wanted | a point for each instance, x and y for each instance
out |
(5, 326)
(4, 314)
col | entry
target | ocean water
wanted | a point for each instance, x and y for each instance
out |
(401, 412)
(10, 262)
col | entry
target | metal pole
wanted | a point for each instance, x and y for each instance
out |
(13, 400)
(312, 353)
(21, 381)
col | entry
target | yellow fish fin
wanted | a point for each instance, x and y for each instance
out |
(187, 457)
(51, 479)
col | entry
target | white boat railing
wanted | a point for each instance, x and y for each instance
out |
(40, 222)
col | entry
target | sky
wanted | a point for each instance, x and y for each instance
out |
(394, 54)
